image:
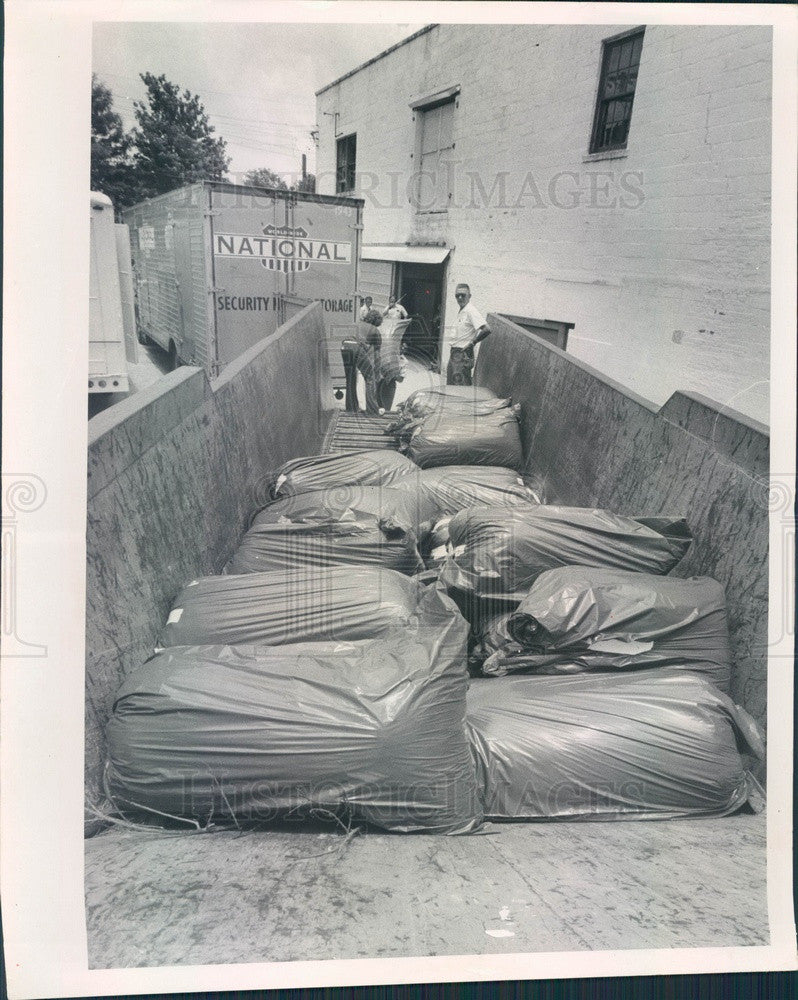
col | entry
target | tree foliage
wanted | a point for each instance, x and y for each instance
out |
(263, 177)
(111, 165)
(174, 140)
(172, 145)
(308, 184)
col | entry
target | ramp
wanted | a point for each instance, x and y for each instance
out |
(359, 432)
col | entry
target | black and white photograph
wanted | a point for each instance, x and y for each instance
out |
(399, 570)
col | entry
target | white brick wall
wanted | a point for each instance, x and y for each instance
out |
(669, 289)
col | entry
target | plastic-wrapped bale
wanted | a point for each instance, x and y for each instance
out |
(581, 618)
(656, 744)
(441, 401)
(392, 364)
(448, 489)
(399, 505)
(373, 730)
(452, 488)
(363, 525)
(500, 552)
(492, 439)
(301, 605)
(343, 469)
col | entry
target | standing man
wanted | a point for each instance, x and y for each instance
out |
(470, 328)
(395, 310)
(365, 307)
(367, 345)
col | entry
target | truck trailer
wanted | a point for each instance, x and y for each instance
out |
(184, 469)
(220, 266)
(111, 339)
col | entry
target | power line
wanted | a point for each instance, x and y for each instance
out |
(243, 132)
(217, 114)
(246, 135)
(225, 93)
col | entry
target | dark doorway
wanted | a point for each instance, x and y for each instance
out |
(420, 288)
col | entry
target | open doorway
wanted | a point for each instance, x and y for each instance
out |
(420, 290)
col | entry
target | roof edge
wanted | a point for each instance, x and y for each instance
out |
(381, 55)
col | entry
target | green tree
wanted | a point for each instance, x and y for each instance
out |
(111, 165)
(263, 177)
(308, 184)
(174, 141)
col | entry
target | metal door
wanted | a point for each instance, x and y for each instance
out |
(267, 246)
(124, 261)
(246, 285)
(181, 242)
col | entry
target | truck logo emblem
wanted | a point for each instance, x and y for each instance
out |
(282, 248)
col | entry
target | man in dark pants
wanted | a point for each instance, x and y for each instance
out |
(470, 328)
(365, 353)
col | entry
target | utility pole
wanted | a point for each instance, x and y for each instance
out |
(304, 171)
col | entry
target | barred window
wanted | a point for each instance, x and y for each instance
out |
(345, 164)
(619, 66)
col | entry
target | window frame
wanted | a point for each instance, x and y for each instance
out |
(339, 144)
(606, 45)
(420, 108)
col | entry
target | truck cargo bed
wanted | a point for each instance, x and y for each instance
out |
(157, 898)
(181, 899)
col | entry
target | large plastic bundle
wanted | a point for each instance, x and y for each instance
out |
(442, 401)
(445, 490)
(500, 552)
(653, 744)
(373, 730)
(343, 469)
(396, 506)
(299, 605)
(392, 365)
(361, 525)
(452, 488)
(492, 439)
(580, 618)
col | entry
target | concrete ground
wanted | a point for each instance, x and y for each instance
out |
(159, 898)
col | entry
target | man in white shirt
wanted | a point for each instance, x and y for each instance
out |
(470, 328)
(394, 310)
(365, 308)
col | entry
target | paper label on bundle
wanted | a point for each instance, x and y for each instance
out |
(174, 616)
(629, 647)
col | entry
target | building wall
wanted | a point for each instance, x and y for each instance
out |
(594, 444)
(659, 254)
(175, 473)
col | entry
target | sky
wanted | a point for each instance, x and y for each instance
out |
(256, 81)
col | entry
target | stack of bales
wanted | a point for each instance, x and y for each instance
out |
(419, 641)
